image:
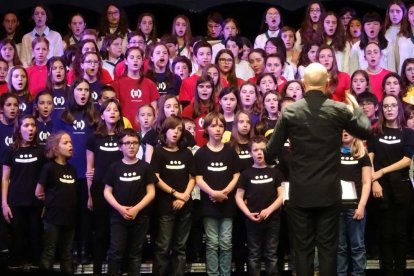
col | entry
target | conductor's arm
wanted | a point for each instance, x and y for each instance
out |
(277, 140)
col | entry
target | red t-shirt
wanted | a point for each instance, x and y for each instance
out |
(281, 85)
(105, 76)
(187, 88)
(132, 96)
(253, 79)
(376, 82)
(225, 83)
(37, 75)
(199, 131)
(344, 84)
(3, 88)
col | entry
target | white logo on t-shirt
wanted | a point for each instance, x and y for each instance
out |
(175, 165)
(22, 106)
(25, 158)
(94, 95)
(59, 101)
(389, 140)
(8, 140)
(244, 154)
(217, 167)
(67, 179)
(111, 146)
(348, 160)
(261, 179)
(43, 135)
(161, 86)
(78, 125)
(201, 122)
(128, 177)
(136, 93)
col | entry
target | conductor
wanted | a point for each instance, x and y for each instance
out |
(314, 127)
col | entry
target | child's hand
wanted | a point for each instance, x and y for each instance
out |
(182, 196)
(376, 189)
(89, 174)
(265, 213)
(377, 175)
(89, 204)
(177, 204)
(7, 213)
(218, 196)
(40, 196)
(254, 217)
(40, 192)
(133, 212)
(359, 213)
(125, 213)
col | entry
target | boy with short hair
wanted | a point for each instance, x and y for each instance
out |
(214, 26)
(171, 42)
(259, 196)
(202, 55)
(369, 104)
(129, 189)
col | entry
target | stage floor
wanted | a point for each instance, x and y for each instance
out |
(194, 269)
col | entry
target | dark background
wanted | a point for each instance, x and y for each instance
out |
(248, 13)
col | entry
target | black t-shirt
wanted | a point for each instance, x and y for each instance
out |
(6, 139)
(106, 151)
(245, 158)
(25, 166)
(174, 169)
(129, 182)
(391, 147)
(260, 186)
(152, 138)
(228, 126)
(95, 88)
(270, 124)
(164, 87)
(59, 182)
(25, 105)
(217, 169)
(59, 102)
(351, 170)
(43, 131)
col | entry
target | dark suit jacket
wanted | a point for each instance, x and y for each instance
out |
(314, 127)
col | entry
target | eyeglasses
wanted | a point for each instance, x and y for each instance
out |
(273, 14)
(315, 10)
(114, 13)
(390, 106)
(213, 26)
(366, 104)
(90, 62)
(225, 60)
(130, 143)
(140, 42)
